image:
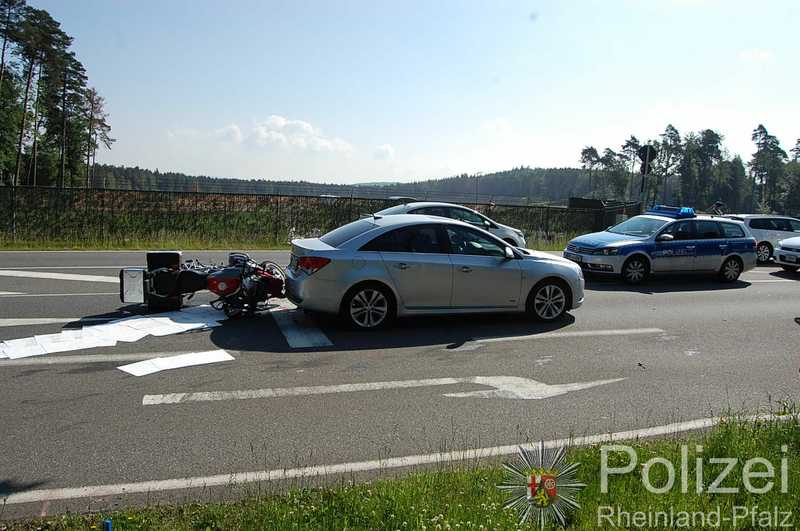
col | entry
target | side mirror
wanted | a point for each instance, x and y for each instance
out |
(665, 238)
(510, 253)
(609, 227)
(487, 223)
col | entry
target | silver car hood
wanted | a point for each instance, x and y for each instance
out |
(530, 254)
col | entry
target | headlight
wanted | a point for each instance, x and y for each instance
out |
(607, 252)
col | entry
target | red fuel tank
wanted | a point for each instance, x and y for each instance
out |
(225, 282)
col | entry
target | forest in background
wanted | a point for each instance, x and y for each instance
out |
(51, 120)
(52, 123)
(693, 169)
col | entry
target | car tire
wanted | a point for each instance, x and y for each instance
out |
(763, 252)
(730, 270)
(549, 300)
(789, 269)
(368, 306)
(635, 270)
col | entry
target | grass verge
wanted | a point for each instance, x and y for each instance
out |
(465, 496)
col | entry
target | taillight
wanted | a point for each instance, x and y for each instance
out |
(311, 264)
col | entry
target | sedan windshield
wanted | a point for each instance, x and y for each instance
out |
(638, 226)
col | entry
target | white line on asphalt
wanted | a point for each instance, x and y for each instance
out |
(508, 387)
(577, 333)
(85, 358)
(239, 478)
(7, 295)
(51, 320)
(770, 281)
(10, 293)
(296, 328)
(57, 276)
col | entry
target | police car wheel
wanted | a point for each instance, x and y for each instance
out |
(635, 270)
(763, 252)
(731, 269)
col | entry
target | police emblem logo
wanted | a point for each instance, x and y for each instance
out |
(541, 485)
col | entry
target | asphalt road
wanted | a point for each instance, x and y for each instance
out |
(675, 349)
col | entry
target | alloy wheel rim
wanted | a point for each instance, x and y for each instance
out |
(549, 302)
(763, 253)
(368, 308)
(635, 271)
(731, 270)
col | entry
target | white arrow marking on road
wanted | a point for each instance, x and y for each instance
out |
(476, 343)
(515, 388)
(510, 387)
(56, 276)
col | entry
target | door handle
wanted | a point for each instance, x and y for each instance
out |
(466, 269)
(723, 246)
(690, 246)
(402, 265)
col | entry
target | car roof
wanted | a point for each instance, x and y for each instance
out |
(422, 204)
(754, 216)
(412, 219)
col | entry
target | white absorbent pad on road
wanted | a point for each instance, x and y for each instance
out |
(125, 330)
(142, 368)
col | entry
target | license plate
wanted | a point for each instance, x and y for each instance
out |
(572, 256)
(789, 258)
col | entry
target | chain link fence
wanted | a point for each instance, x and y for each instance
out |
(117, 218)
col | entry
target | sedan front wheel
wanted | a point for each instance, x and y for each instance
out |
(548, 300)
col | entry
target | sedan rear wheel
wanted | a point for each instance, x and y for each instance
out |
(368, 307)
(763, 252)
(548, 300)
(731, 269)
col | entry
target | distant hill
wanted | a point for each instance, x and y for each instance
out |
(518, 185)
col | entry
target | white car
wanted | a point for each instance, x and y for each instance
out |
(768, 230)
(508, 234)
(787, 254)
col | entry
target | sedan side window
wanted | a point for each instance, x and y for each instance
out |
(468, 241)
(465, 215)
(414, 239)
(795, 225)
(762, 224)
(783, 225)
(682, 230)
(431, 211)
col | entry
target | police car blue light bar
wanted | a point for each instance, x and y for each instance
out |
(672, 212)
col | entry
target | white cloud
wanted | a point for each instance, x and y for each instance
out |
(755, 55)
(281, 132)
(230, 133)
(384, 152)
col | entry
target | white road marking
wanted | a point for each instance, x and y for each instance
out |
(576, 333)
(52, 320)
(239, 478)
(296, 328)
(85, 358)
(770, 281)
(56, 276)
(505, 387)
(8, 295)
(11, 293)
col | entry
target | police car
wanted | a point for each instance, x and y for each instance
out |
(665, 240)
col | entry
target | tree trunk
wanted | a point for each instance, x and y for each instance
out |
(89, 142)
(63, 155)
(5, 43)
(22, 121)
(36, 124)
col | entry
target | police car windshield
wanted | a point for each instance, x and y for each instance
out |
(638, 226)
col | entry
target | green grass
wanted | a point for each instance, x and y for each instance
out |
(464, 496)
(137, 244)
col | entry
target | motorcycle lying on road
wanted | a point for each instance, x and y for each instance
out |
(242, 287)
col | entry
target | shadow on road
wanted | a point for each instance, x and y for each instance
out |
(262, 334)
(9, 486)
(665, 284)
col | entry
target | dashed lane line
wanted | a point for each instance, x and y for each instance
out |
(57, 276)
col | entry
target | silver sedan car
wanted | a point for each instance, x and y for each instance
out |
(374, 269)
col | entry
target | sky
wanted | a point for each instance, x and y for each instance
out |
(365, 91)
